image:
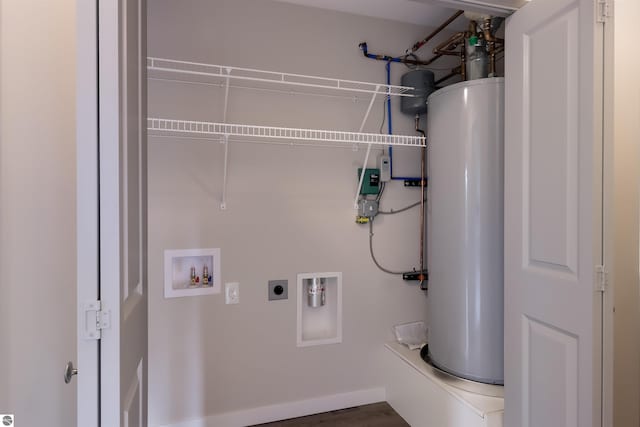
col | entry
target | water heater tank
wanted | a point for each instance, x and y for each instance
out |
(465, 229)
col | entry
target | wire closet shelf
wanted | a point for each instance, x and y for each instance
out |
(269, 132)
(168, 69)
(201, 73)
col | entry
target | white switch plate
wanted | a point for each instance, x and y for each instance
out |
(232, 293)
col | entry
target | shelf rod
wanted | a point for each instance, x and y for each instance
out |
(366, 157)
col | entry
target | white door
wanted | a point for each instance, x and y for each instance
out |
(123, 219)
(553, 222)
(111, 198)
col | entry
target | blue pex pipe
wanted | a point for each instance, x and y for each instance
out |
(389, 60)
(366, 53)
(390, 131)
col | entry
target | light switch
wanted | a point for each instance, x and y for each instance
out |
(232, 293)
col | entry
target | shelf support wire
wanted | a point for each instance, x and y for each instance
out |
(225, 141)
(366, 157)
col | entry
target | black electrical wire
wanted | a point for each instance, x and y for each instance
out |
(413, 57)
(406, 208)
(373, 257)
(379, 196)
(384, 115)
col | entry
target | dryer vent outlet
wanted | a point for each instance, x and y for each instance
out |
(278, 289)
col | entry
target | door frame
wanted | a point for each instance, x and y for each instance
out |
(88, 357)
(99, 157)
(87, 205)
(109, 225)
(608, 230)
(88, 270)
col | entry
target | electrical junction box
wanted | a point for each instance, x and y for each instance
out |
(368, 208)
(385, 168)
(371, 181)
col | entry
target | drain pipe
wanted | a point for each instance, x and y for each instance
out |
(422, 202)
(389, 127)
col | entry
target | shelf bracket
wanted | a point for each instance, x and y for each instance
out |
(225, 141)
(366, 157)
(226, 94)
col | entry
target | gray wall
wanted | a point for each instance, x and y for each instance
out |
(290, 210)
(37, 210)
(626, 399)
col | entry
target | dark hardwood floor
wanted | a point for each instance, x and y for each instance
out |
(374, 415)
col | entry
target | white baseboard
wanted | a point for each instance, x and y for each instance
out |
(300, 408)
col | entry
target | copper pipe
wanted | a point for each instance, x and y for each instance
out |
(493, 52)
(492, 59)
(473, 27)
(463, 62)
(486, 28)
(448, 48)
(432, 59)
(491, 40)
(445, 48)
(422, 209)
(365, 51)
(454, 72)
(424, 41)
(449, 53)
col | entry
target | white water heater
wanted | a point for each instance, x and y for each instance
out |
(465, 193)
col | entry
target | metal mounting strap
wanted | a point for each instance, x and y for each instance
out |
(604, 10)
(601, 278)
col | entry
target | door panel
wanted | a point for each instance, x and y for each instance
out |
(133, 404)
(132, 157)
(550, 140)
(123, 169)
(550, 360)
(553, 184)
